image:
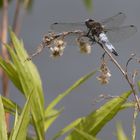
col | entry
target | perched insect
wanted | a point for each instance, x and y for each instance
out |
(105, 31)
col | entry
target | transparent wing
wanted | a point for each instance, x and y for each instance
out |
(114, 21)
(120, 33)
(111, 25)
(59, 27)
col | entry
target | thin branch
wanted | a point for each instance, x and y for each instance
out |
(5, 84)
(48, 39)
(128, 61)
(113, 59)
(124, 73)
(16, 18)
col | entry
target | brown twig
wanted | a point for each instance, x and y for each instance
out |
(16, 18)
(5, 84)
(48, 39)
(124, 74)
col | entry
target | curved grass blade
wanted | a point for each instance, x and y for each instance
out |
(27, 78)
(120, 133)
(86, 136)
(80, 120)
(10, 106)
(19, 132)
(95, 121)
(127, 105)
(3, 131)
(67, 128)
(30, 79)
(138, 83)
(65, 93)
(51, 117)
(16, 118)
(11, 71)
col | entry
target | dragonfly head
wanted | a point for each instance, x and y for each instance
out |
(89, 23)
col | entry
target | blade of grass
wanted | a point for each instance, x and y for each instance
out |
(3, 131)
(86, 136)
(95, 121)
(29, 79)
(138, 83)
(11, 71)
(51, 117)
(120, 133)
(19, 132)
(16, 118)
(10, 106)
(70, 89)
(67, 128)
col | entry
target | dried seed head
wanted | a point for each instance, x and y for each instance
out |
(84, 46)
(104, 73)
(55, 52)
(47, 40)
(59, 43)
(103, 79)
(58, 49)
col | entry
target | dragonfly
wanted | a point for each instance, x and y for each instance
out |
(106, 31)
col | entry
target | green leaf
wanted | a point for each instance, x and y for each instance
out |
(70, 89)
(16, 118)
(10, 106)
(19, 132)
(95, 121)
(138, 83)
(50, 117)
(3, 131)
(30, 80)
(85, 135)
(67, 128)
(88, 4)
(120, 133)
(25, 77)
(127, 105)
(11, 71)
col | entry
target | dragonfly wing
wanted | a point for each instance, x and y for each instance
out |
(64, 27)
(61, 27)
(120, 33)
(114, 21)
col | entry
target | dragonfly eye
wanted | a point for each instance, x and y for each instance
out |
(89, 20)
(55, 23)
(89, 23)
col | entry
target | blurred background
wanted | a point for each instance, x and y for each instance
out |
(58, 74)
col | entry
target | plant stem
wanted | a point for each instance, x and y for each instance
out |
(124, 74)
(5, 83)
(16, 18)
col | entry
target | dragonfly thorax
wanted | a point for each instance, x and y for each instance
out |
(95, 27)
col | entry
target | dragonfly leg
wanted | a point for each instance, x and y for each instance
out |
(103, 55)
(88, 32)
